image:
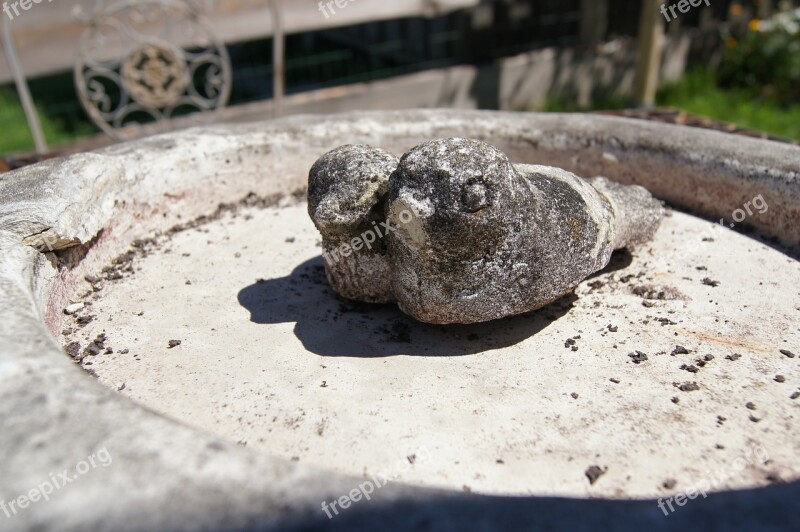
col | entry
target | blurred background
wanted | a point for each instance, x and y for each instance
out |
(76, 75)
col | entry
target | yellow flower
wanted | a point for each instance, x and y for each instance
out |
(754, 24)
(736, 10)
(730, 42)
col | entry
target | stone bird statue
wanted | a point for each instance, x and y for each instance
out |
(453, 232)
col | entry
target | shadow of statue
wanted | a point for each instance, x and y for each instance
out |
(329, 325)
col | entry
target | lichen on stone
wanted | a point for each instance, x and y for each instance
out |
(453, 232)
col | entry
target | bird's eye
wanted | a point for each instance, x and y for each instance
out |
(475, 196)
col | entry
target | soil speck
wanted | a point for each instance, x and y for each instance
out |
(73, 350)
(638, 357)
(687, 386)
(594, 472)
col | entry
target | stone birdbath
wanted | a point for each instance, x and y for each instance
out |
(170, 342)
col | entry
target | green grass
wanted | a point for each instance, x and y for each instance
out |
(697, 94)
(16, 136)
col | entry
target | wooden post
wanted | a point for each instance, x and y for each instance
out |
(278, 56)
(651, 39)
(593, 20)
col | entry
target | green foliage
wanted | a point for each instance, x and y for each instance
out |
(764, 58)
(16, 136)
(603, 101)
(698, 94)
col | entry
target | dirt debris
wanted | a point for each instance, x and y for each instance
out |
(594, 472)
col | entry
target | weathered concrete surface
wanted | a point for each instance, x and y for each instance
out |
(271, 357)
(166, 475)
(59, 204)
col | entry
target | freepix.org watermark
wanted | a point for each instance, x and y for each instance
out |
(683, 6)
(15, 6)
(753, 456)
(367, 488)
(326, 7)
(55, 482)
(367, 238)
(738, 215)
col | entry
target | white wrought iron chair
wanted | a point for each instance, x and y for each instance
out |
(142, 63)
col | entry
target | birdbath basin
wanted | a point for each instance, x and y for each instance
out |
(167, 302)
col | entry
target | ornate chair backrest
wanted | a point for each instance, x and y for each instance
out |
(142, 63)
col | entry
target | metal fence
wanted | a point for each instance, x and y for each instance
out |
(379, 50)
